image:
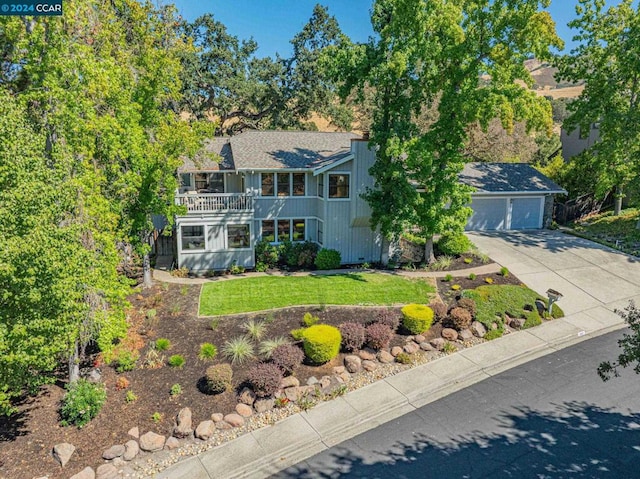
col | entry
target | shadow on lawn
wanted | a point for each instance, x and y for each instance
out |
(575, 440)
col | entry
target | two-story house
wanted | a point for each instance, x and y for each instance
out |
(307, 186)
(276, 185)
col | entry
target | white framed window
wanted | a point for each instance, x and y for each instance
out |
(321, 185)
(185, 180)
(339, 185)
(192, 237)
(298, 230)
(268, 231)
(283, 184)
(238, 236)
(299, 184)
(281, 229)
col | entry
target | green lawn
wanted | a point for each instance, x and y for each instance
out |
(257, 294)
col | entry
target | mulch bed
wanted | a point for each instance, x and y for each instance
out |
(26, 438)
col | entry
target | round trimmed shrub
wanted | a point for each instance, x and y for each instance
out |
(321, 343)
(460, 318)
(217, 379)
(352, 335)
(417, 318)
(387, 316)
(439, 310)
(264, 379)
(454, 244)
(328, 259)
(287, 357)
(378, 335)
(82, 402)
(468, 304)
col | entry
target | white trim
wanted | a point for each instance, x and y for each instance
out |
(517, 193)
(275, 219)
(341, 161)
(226, 236)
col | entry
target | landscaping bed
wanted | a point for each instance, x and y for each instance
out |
(619, 232)
(28, 437)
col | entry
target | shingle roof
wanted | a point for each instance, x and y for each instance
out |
(274, 149)
(507, 178)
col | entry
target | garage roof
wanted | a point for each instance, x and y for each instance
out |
(507, 178)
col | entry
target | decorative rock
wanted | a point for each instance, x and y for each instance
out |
(151, 441)
(244, 410)
(419, 339)
(408, 338)
(426, 346)
(338, 370)
(62, 452)
(234, 419)
(107, 471)
(385, 357)
(223, 425)
(289, 382)
(325, 382)
(352, 363)
(247, 396)
(395, 351)
(345, 376)
(312, 381)
(217, 417)
(94, 376)
(517, 323)
(205, 429)
(172, 443)
(449, 334)
(437, 343)
(263, 405)
(494, 325)
(369, 365)
(131, 450)
(183, 423)
(113, 452)
(292, 394)
(86, 473)
(411, 348)
(466, 334)
(118, 462)
(134, 432)
(367, 355)
(478, 329)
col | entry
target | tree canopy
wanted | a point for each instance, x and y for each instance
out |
(434, 54)
(606, 58)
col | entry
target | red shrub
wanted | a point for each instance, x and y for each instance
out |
(352, 335)
(378, 335)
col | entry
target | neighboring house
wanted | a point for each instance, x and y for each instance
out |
(307, 186)
(575, 142)
(509, 196)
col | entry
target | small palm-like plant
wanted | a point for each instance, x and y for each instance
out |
(238, 350)
(267, 346)
(255, 329)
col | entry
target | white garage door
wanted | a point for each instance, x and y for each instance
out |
(526, 213)
(488, 214)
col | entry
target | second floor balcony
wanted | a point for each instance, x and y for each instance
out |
(215, 202)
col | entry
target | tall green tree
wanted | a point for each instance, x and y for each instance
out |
(433, 53)
(607, 59)
(226, 79)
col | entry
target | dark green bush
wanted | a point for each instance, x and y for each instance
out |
(321, 343)
(82, 402)
(328, 259)
(417, 318)
(300, 255)
(454, 244)
(267, 254)
(264, 379)
(217, 379)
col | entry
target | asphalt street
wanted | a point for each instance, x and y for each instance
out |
(550, 418)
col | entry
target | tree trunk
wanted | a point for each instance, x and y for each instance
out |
(617, 208)
(147, 278)
(429, 256)
(74, 364)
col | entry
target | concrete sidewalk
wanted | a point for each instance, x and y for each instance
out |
(594, 280)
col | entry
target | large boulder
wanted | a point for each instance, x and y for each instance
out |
(113, 452)
(244, 410)
(437, 343)
(184, 426)
(205, 430)
(151, 442)
(131, 450)
(449, 334)
(385, 357)
(478, 329)
(353, 363)
(236, 420)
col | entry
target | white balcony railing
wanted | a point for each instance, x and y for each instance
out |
(215, 202)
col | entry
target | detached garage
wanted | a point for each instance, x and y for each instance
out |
(509, 196)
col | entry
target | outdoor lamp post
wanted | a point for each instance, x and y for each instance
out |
(553, 296)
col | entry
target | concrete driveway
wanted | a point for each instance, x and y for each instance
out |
(590, 276)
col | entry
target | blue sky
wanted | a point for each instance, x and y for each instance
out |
(272, 23)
